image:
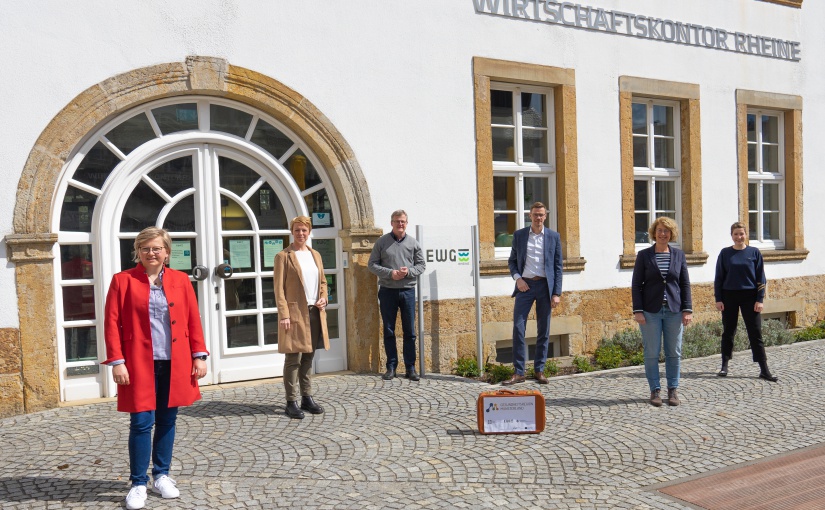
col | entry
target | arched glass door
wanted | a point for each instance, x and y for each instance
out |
(226, 198)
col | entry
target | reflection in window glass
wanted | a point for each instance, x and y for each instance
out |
(242, 331)
(76, 214)
(174, 176)
(182, 216)
(640, 151)
(533, 110)
(503, 144)
(504, 193)
(176, 117)
(663, 151)
(665, 196)
(127, 254)
(131, 134)
(639, 119)
(770, 197)
(751, 127)
(332, 324)
(326, 247)
(535, 190)
(301, 169)
(770, 158)
(238, 251)
(79, 303)
(534, 145)
(271, 328)
(642, 221)
(320, 210)
(770, 129)
(505, 225)
(662, 120)
(142, 209)
(229, 120)
(268, 209)
(240, 294)
(96, 166)
(267, 292)
(233, 216)
(235, 176)
(76, 262)
(81, 344)
(501, 107)
(271, 139)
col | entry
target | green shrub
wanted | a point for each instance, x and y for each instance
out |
(814, 332)
(582, 364)
(551, 368)
(498, 373)
(774, 333)
(637, 358)
(609, 355)
(466, 366)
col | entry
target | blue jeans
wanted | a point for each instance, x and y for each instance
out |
(141, 443)
(662, 326)
(539, 293)
(390, 301)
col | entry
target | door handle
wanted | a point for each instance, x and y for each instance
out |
(223, 271)
(200, 273)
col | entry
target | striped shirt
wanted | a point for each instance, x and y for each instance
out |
(663, 261)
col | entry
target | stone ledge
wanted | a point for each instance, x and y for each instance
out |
(693, 259)
(789, 3)
(499, 267)
(30, 247)
(784, 255)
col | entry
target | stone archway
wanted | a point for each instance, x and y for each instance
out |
(30, 247)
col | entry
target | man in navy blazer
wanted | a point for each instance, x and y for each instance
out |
(536, 265)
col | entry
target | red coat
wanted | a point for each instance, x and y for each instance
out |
(129, 337)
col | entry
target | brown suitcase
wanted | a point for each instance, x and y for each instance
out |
(511, 412)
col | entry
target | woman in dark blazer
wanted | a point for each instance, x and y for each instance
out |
(662, 306)
(155, 346)
(301, 297)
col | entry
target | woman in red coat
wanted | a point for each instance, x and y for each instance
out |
(155, 345)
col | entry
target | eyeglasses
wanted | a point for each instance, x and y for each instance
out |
(155, 250)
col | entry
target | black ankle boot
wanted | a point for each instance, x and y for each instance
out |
(723, 372)
(307, 404)
(292, 410)
(766, 374)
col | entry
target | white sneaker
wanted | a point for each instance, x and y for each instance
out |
(166, 487)
(136, 497)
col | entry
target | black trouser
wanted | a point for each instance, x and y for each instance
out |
(735, 300)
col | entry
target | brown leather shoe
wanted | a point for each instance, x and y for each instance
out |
(541, 378)
(672, 397)
(513, 380)
(655, 398)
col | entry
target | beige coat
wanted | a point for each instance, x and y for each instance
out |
(291, 301)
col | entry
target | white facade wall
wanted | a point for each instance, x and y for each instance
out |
(395, 78)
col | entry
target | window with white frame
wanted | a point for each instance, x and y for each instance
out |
(523, 158)
(656, 164)
(766, 178)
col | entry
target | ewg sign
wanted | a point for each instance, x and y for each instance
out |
(459, 256)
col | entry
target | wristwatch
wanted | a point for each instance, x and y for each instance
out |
(201, 357)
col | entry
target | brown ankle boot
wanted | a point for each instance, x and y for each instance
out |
(672, 397)
(655, 399)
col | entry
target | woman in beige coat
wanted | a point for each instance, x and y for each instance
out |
(302, 327)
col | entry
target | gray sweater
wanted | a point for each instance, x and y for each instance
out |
(389, 254)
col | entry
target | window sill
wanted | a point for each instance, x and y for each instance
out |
(693, 259)
(784, 255)
(499, 267)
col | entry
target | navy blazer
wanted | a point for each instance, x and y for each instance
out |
(552, 258)
(649, 288)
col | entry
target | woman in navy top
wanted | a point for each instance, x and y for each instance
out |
(740, 285)
(662, 306)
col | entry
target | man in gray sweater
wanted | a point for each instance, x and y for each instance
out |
(397, 260)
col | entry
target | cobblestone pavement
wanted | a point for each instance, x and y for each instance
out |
(401, 444)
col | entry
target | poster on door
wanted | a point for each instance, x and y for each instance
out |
(181, 256)
(448, 255)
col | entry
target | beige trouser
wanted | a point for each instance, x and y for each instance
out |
(297, 368)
